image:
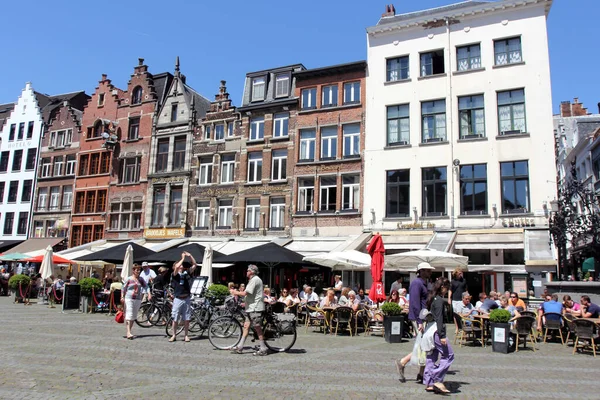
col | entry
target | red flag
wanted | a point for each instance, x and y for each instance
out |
(377, 252)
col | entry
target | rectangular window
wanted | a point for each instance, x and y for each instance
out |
(38, 228)
(30, 129)
(105, 162)
(11, 134)
(175, 202)
(54, 198)
(203, 214)
(351, 192)
(468, 57)
(351, 133)
(71, 163)
(328, 193)
(13, 189)
(307, 144)
(90, 201)
(101, 99)
(30, 160)
(515, 187)
(173, 112)
(471, 117)
(279, 167)
(125, 216)
(17, 160)
(219, 132)
(83, 164)
(46, 168)
(352, 93)
(158, 206)
(26, 192)
(4, 156)
(280, 125)
(432, 63)
(162, 155)
(207, 132)
(257, 128)
(277, 213)
(9, 220)
(434, 191)
(2, 186)
(179, 153)
(80, 202)
(309, 99)
(225, 213)
(330, 96)
(511, 112)
(282, 85)
(227, 168)
(58, 166)
(258, 88)
(398, 125)
(21, 131)
(67, 197)
(252, 214)
(254, 167)
(136, 215)
(94, 163)
(507, 51)
(134, 128)
(397, 69)
(473, 189)
(328, 143)
(130, 170)
(398, 193)
(58, 138)
(42, 200)
(205, 173)
(230, 129)
(306, 194)
(433, 114)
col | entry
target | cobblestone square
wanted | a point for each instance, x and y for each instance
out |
(51, 355)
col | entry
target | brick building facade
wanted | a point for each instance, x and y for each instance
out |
(330, 149)
(129, 175)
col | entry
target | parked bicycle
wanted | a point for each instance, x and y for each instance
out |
(204, 310)
(155, 312)
(279, 329)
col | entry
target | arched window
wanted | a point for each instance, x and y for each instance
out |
(136, 98)
(98, 129)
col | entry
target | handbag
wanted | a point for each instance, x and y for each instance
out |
(120, 317)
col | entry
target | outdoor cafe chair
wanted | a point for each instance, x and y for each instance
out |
(523, 328)
(587, 333)
(315, 317)
(278, 308)
(470, 328)
(570, 324)
(343, 316)
(361, 317)
(374, 321)
(553, 323)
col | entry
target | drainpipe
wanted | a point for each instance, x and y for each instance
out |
(451, 125)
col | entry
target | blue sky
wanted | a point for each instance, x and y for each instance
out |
(64, 46)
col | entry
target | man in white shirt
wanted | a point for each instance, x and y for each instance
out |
(396, 285)
(309, 295)
(302, 293)
(148, 276)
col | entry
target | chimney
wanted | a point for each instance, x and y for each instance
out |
(140, 61)
(104, 76)
(390, 11)
(598, 108)
(565, 108)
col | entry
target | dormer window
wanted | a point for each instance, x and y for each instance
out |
(282, 85)
(173, 112)
(136, 97)
(258, 88)
(101, 99)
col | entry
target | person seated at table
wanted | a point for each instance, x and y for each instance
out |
(353, 301)
(309, 295)
(267, 296)
(292, 298)
(485, 304)
(403, 302)
(571, 307)
(394, 297)
(302, 292)
(509, 307)
(465, 308)
(4, 277)
(72, 281)
(365, 299)
(517, 302)
(284, 296)
(496, 297)
(107, 280)
(549, 306)
(589, 309)
(343, 300)
(329, 300)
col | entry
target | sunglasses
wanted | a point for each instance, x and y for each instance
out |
(513, 297)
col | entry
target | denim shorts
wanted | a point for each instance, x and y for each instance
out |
(181, 307)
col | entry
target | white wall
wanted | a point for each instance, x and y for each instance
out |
(533, 76)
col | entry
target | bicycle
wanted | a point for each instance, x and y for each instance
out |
(279, 329)
(204, 310)
(156, 311)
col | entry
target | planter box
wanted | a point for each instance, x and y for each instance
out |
(503, 340)
(393, 327)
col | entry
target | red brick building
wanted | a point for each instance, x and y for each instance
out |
(330, 137)
(95, 163)
(129, 173)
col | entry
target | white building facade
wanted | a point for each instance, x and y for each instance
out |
(459, 151)
(18, 163)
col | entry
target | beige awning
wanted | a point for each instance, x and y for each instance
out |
(538, 248)
(511, 238)
(36, 244)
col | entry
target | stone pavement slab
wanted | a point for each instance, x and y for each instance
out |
(50, 355)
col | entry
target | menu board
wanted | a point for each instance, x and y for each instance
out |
(519, 284)
(71, 296)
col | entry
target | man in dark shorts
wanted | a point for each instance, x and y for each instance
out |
(255, 307)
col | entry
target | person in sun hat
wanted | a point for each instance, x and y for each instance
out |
(418, 297)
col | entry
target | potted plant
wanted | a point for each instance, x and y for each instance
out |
(217, 292)
(16, 281)
(87, 284)
(500, 327)
(393, 322)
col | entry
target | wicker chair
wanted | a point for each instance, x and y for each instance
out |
(343, 316)
(585, 331)
(570, 324)
(523, 327)
(470, 328)
(553, 323)
(361, 317)
(315, 317)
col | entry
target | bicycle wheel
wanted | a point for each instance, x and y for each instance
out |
(169, 326)
(224, 333)
(154, 315)
(143, 314)
(277, 340)
(195, 322)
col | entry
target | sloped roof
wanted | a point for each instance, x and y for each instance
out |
(48, 104)
(201, 103)
(5, 110)
(161, 83)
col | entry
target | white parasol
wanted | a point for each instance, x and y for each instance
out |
(127, 263)
(207, 264)
(47, 268)
(437, 259)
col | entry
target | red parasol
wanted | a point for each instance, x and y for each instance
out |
(56, 259)
(377, 252)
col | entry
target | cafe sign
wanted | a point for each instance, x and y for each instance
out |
(164, 233)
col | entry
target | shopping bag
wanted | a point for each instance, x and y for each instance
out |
(120, 317)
